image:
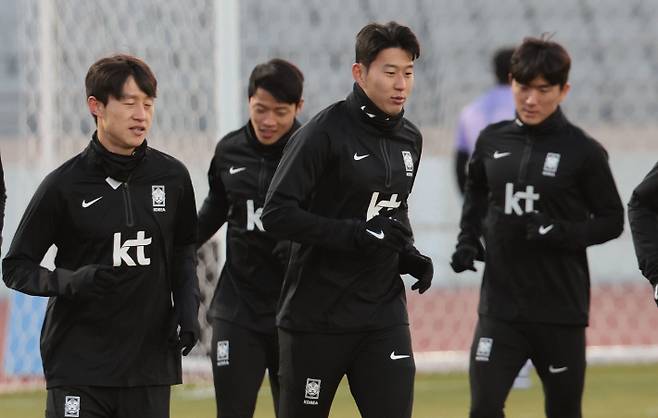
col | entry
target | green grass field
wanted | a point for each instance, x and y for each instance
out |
(610, 392)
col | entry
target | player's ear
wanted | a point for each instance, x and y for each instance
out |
(95, 106)
(358, 72)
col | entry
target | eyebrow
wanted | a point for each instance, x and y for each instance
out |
(393, 66)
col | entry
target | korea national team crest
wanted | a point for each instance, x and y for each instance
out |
(408, 163)
(159, 198)
(72, 406)
(484, 349)
(312, 391)
(550, 164)
(222, 353)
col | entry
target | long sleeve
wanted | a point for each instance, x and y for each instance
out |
(643, 218)
(3, 199)
(285, 214)
(606, 220)
(215, 206)
(475, 203)
(185, 285)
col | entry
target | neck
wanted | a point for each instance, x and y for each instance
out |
(108, 145)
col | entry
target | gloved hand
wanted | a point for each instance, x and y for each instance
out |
(419, 266)
(381, 231)
(463, 258)
(186, 342)
(541, 228)
(88, 282)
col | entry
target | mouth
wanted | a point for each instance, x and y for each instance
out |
(138, 130)
(266, 133)
(398, 100)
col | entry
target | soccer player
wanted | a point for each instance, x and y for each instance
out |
(492, 106)
(123, 218)
(340, 194)
(243, 309)
(643, 217)
(540, 191)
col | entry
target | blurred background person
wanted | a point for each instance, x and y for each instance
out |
(492, 106)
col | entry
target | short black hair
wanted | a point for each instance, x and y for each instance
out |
(502, 60)
(107, 76)
(375, 37)
(280, 78)
(540, 57)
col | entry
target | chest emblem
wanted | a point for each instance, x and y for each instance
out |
(408, 163)
(158, 196)
(550, 164)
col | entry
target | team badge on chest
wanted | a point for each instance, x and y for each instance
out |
(72, 406)
(159, 198)
(550, 164)
(408, 163)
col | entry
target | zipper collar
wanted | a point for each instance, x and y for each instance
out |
(553, 123)
(364, 110)
(275, 149)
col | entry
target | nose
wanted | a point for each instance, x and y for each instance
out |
(268, 119)
(140, 113)
(400, 82)
(532, 98)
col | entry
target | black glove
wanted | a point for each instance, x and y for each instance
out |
(419, 266)
(88, 282)
(381, 231)
(186, 342)
(541, 228)
(463, 258)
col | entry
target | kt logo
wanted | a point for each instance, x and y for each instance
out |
(253, 217)
(377, 205)
(120, 252)
(512, 200)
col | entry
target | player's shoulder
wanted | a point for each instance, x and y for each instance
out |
(232, 139)
(161, 161)
(492, 131)
(581, 139)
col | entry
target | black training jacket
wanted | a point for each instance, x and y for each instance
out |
(553, 168)
(144, 228)
(339, 170)
(3, 199)
(239, 175)
(643, 217)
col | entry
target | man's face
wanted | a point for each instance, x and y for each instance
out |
(124, 122)
(270, 118)
(389, 79)
(537, 100)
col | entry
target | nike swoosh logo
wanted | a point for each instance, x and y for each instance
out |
(234, 170)
(86, 204)
(360, 157)
(498, 155)
(655, 293)
(369, 114)
(543, 230)
(378, 235)
(398, 356)
(554, 370)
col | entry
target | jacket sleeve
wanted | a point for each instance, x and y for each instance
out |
(215, 207)
(475, 202)
(3, 199)
(606, 210)
(643, 218)
(36, 232)
(285, 214)
(185, 285)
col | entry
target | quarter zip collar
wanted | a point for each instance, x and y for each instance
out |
(555, 122)
(275, 149)
(118, 167)
(365, 110)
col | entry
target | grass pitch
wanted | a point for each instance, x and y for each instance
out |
(610, 392)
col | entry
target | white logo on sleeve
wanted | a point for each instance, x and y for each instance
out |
(253, 217)
(312, 391)
(552, 369)
(159, 198)
(360, 157)
(120, 252)
(370, 115)
(86, 204)
(234, 170)
(512, 199)
(222, 353)
(499, 154)
(72, 406)
(483, 351)
(398, 356)
(377, 205)
(550, 164)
